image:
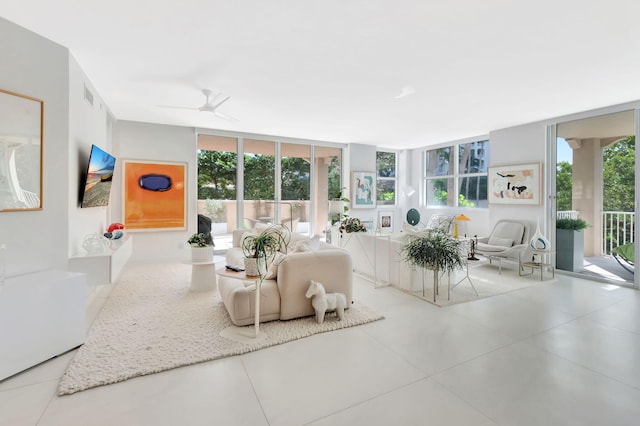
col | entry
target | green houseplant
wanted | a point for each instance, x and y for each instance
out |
(570, 244)
(201, 247)
(260, 249)
(437, 251)
(571, 224)
(352, 224)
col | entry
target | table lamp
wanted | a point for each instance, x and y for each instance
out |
(459, 218)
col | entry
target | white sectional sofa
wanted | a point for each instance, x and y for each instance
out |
(283, 296)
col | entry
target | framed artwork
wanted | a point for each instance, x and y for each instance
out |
(21, 130)
(516, 184)
(385, 222)
(155, 195)
(364, 190)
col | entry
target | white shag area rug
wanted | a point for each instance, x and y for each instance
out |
(485, 279)
(152, 323)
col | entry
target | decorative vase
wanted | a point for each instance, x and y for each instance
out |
(538, 241)
(202, 254)
(251, 267)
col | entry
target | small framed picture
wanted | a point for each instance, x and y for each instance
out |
(385, 221)
(364, 190)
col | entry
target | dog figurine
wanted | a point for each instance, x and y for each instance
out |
(323, 302)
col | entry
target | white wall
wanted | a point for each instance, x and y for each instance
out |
(156, 142)
(519, 145)
(87, 126)
(37, 67)
(362, 158)
(515, 145)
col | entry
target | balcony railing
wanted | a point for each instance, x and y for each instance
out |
(567, 214)
(618, 228)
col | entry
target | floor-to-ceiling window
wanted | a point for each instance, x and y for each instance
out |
(295, 186)
(243, 181)
(217, 186)
(259, 182)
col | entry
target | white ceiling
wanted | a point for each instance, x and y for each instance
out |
(330, 70)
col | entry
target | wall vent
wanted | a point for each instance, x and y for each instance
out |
(88, 96)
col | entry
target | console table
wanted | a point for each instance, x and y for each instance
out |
(104, 267)
(42, 315)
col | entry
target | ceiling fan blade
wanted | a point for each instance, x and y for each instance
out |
(224, 116)
(178, 107)
(219, 100)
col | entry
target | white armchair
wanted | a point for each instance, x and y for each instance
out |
(508, 238)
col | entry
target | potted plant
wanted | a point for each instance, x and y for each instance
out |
(437, 251)
(352, 224)
(339, 207)
(570, 244)
(201, 247)
(260, 249)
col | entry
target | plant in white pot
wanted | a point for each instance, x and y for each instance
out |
(201, 247)
(261, 249)
(437, 251)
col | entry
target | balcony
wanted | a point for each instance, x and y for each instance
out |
(617, 228)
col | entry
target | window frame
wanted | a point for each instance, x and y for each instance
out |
(457, 176)
(393, 179)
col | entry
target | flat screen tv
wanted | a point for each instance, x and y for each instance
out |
(97, 186)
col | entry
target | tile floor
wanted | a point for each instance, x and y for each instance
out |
(561, 353)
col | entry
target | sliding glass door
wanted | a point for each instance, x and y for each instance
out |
(595, 171)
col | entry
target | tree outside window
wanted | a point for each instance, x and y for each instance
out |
(386, 177)
(456, 176)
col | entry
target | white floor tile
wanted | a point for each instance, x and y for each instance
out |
(624, 315)
(524, 385)
(47, 371)
(608, 350)
(23, 406)
(577, 298)
(217, 392)
(433, 338)
(423, 402)
(311, 378)
(511, 315)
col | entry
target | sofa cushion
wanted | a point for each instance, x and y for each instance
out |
(239, 299)
(497, 241)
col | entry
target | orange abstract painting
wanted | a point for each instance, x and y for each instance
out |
(154, 195)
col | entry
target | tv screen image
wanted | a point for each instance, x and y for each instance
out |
(97, 187)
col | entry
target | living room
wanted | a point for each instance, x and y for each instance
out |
(38, 67)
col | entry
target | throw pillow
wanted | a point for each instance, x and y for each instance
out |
(302, 246)
(272, 272)
(497, 241)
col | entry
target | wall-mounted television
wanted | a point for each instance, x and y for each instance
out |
(97, 186)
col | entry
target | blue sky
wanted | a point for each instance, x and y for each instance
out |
(564, 152)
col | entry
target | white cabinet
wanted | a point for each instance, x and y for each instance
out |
(103, 268)
(41, 315)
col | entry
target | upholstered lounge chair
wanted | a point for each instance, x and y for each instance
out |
(508, 238)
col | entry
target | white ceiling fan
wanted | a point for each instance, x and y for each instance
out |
(211, 105)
